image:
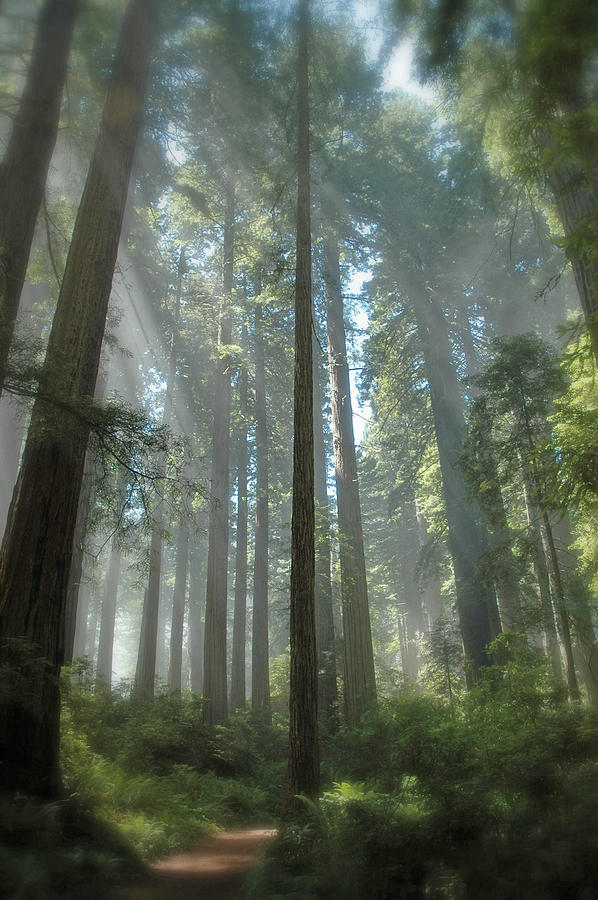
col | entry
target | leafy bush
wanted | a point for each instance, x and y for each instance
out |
(157, 734)
(151, 768)
(57, 850)
(490, 798)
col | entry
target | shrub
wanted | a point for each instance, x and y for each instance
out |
(57, 850)
(490, 798)
(151, 768)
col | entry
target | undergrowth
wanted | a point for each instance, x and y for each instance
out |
(492, 798)
(489, 796)
(151, 767)
(143, 778)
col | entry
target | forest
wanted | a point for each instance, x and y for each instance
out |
(299, 449)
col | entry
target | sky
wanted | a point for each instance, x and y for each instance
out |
(399, 73)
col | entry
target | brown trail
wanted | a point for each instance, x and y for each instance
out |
(215, 871)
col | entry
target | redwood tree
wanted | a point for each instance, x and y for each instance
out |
(24, 168)
(304, 761)
(359, 681)
(175, 665)
(215, 692)
(476, 602)
(145, 673)
(327, 690)
(108, 616)
(260, 668)
(237, 686)
(37, 547)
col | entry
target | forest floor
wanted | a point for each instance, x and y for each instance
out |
(214, 871)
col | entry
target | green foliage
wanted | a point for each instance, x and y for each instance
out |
(576, 428)
(150, 768)
(57, 850)
(523, 376)
(442, 660)
(488, 797)
(154, 735)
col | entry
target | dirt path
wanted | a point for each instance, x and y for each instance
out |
(213, 872)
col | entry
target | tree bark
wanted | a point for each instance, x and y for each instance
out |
(109, 599)
(145, 672)
(37, 547)
(108, 617)
(359, 677)
(12, 432)
(177, 628)
(304, 758)
(81, 624)
(431, 587)
(580, 607)
(81, 526)
(260, 647)
(92, 629)
(556, 588)
(215, 692)
(24, 169)
(527, 453)
(237, 683)
(403, 645)
(152, 623)
(541, 569)
(476, 604)
(576, 196)
(327, 689)
(503, 564)
(196, 620)
(411, 591)
(175, 668)
(78, 554)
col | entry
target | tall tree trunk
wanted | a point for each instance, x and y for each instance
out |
(37, 547)
(304, 756)
(80, 539)
(24, 169)
(78, 554)
(215, 691)
(196, 620)
(504, 565)
(327, 689)
(580, 607)
(109, 599)
(12, 432)
(260, 648)
(576, 196)
(145, 672)
(411, 591)
(81, 624)
(527, 451)
(506, 580)
(164, 615)
(175, 667)
(359, 677)
(108, 616)
(403, 645)
(237, 682)
(431, 587)
(13, 418)
(476, 603)
(556, 589)
(92, 629)
(151, 620)
(541, 570)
